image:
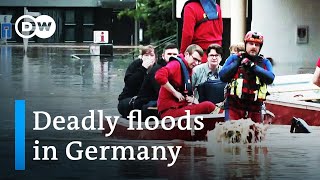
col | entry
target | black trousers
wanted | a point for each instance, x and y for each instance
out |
(124, 107)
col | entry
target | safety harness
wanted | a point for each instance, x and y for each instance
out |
(186, 88)
(246, 85)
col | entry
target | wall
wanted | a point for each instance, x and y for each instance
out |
(75, 21)
(278, 21)
(226, 8)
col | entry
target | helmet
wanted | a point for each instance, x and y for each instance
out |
(252, 36)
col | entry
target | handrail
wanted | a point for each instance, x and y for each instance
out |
(158, 46)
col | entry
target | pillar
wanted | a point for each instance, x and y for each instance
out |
(238, 20)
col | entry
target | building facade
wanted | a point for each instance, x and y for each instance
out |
(76, 19)
(291, 33)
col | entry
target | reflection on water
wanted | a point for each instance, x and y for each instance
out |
(50, 80)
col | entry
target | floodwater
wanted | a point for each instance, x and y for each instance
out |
(51, 81)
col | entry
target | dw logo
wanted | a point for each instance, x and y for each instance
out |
(44, 26)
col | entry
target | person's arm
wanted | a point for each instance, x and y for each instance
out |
(266, 75)
(220, 19)
(189, 21)
(137, 71)
(316, 76)
(134, 73)
(194, 77)
(162, 77)
(229, 69)
(154, 84)
(173, 91)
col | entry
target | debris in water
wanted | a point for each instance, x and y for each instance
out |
(75, 57)
(238, 131)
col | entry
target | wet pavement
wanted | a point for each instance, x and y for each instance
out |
(51, 81)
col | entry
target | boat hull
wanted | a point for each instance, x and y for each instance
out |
(284, 111)
(121, 130)
(294, 96)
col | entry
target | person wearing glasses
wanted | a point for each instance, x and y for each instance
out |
(247, 75)
(210, 69)
(176, 94)
(133, 79)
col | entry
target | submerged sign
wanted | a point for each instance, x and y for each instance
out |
(6, 30)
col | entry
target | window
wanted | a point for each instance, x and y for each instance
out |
(69, 17)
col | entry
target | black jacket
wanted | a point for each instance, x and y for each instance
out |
(133, 79)
(150, 88)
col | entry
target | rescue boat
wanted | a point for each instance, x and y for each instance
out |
(161, 132)
(294, 96)
(291, 96)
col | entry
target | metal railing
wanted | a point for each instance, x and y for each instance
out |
(159, 45)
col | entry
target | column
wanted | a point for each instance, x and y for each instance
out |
(238, 20)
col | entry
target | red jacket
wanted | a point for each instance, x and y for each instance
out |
(318, 63)
(172, 73)
(206, 33)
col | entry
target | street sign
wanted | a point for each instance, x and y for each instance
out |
(5, 18)
(100, 36)
(6, 30)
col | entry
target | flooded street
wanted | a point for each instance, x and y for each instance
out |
(49, 80)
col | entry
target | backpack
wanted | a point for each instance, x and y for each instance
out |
(212, 90)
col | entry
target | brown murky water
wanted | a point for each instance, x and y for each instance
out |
(50, 80)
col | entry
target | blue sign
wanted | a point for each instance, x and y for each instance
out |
(6, 30)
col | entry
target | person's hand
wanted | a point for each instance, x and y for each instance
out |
(147, 62)
(179, 96)
(192, 100)
(247, 63)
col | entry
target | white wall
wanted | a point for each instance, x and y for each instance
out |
(278, 21)
(226, 8)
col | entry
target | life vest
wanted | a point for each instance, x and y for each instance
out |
(186, 88)
(248, 86)
(210, 13)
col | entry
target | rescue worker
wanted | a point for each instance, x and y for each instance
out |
(202, 25)
(247, 75)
